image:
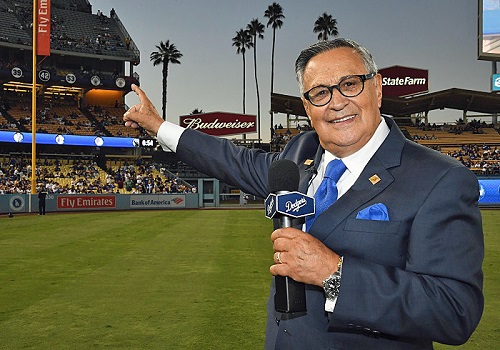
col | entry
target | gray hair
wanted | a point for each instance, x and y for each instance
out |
(323, 46)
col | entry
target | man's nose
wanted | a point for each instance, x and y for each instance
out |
(338, 101)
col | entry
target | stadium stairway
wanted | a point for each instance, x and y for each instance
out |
(12, 120)
(93, 119)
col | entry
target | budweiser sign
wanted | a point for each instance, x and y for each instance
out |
(404, 81)
(220, 123)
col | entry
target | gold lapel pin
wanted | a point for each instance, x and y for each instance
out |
(375, 179)
(308, 162)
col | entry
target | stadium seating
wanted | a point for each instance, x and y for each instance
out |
(81, 174)
(74, 28)
(13, 31)
(444, 137)
(110, 118)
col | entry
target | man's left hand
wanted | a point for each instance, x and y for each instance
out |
(302, 257)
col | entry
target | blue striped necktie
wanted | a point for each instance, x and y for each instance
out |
(327, 192)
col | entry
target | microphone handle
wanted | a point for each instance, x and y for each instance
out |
(290, 295)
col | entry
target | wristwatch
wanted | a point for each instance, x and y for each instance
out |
(332, 284)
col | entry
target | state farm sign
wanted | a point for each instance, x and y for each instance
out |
(86, 202)
(404, 81)
(220, 123)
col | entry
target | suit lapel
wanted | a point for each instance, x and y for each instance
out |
(308, 168)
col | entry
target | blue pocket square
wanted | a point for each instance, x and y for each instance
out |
(376, 211)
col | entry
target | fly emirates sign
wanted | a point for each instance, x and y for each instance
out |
(401, 81)
(86, 202)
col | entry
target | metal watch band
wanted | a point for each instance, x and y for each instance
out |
(331, 285)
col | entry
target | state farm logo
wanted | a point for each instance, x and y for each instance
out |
(404, 81)
(85, 202)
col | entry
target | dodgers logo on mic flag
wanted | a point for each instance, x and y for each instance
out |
(270, 205)
(294, 204)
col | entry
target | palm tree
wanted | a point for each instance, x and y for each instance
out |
(325, 25)
(256, 30)
(167, 53)
(275, 14)
(242, 41)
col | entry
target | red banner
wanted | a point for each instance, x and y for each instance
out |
(86, 202)
(43, 28)
(404, 81)
(220, 123)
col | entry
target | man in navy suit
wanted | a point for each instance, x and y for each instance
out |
(395, 262)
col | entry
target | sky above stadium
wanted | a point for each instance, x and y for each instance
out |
(440, 36)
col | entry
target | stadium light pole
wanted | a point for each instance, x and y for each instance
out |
(33, 104)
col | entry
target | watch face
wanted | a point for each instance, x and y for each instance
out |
(332, 285)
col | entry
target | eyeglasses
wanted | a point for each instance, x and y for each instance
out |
(350, 86)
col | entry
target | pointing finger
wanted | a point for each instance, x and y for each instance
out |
(142, 96)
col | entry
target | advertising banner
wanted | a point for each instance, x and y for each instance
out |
(495, 82)
(43, 28)
(161, 201)
(401, 81)
(220, 123)
(489, 191)
(79, 202)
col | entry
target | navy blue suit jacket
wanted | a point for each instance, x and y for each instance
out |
(405, 282)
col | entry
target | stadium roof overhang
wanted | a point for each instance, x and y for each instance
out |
(461, 99)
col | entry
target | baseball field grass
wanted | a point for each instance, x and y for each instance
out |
(179, 279)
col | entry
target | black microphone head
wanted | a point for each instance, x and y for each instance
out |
(283, 176)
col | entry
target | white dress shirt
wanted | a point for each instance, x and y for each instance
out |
(355, 163)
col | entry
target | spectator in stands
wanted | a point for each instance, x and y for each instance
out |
(408, 276)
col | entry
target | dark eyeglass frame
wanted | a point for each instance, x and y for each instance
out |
(363, 77)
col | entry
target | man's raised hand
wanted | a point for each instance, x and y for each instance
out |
(143, 114)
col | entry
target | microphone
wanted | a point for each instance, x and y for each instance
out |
(285, 203)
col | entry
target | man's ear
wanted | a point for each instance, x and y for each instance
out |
(306, 107)
(378, 87)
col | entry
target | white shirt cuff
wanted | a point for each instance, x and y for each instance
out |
(168, 136)
(330, 303)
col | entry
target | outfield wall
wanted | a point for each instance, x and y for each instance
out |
(489, 195)
(20, 203)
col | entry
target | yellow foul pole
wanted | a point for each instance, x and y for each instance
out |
(33, 102)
